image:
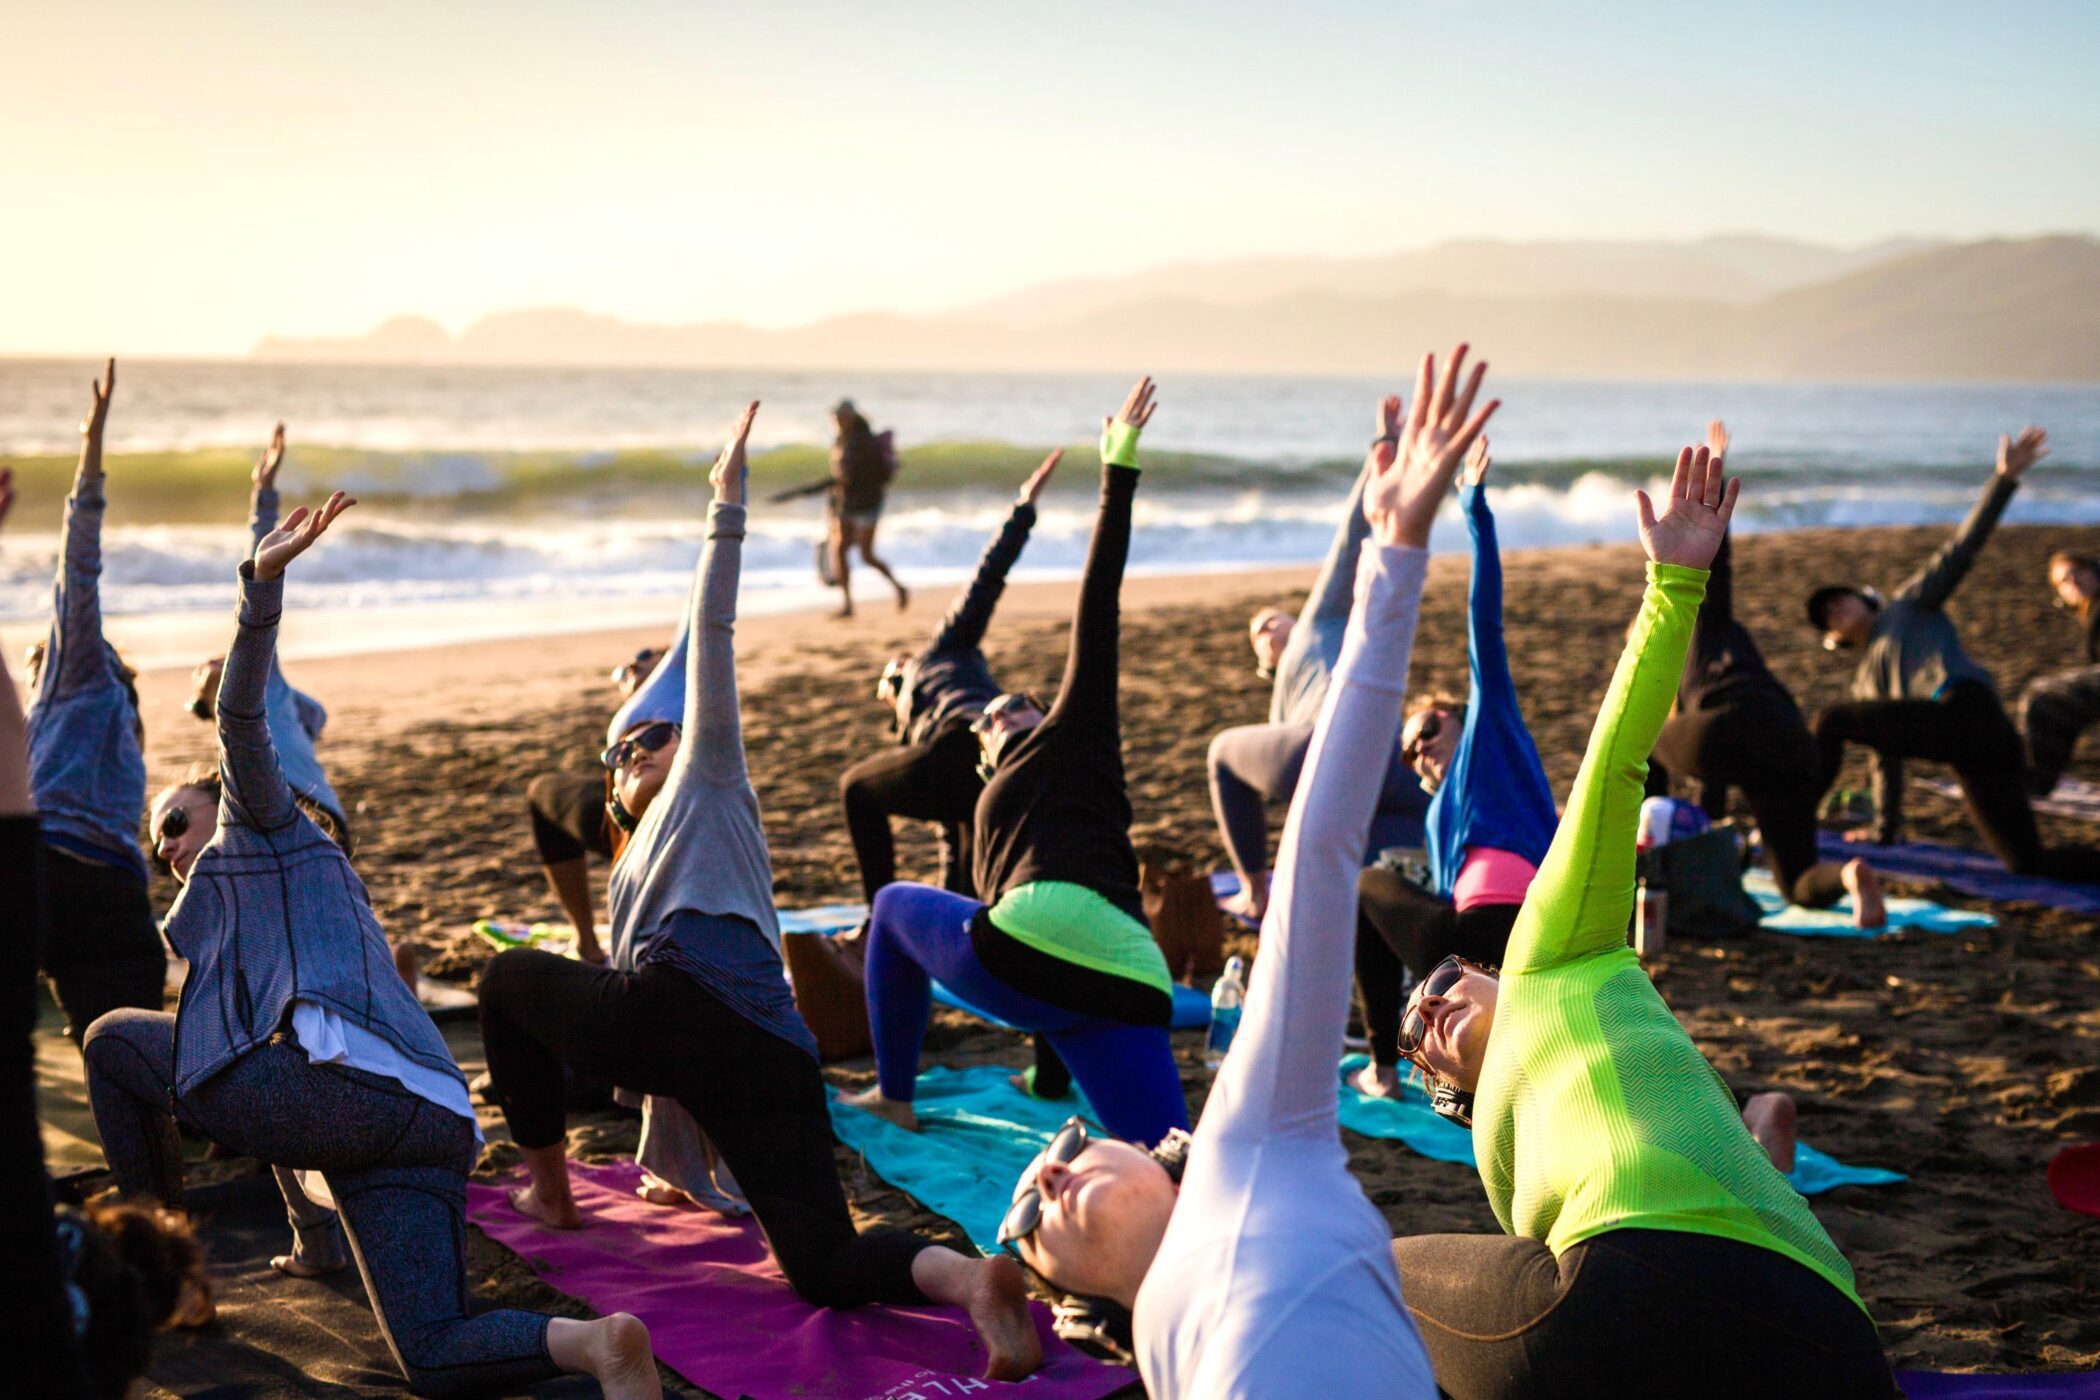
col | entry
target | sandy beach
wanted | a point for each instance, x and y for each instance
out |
(1962, 1061)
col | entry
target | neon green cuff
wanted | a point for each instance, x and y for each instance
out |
(1119, 445)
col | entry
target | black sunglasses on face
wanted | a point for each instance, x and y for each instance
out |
(1027, 1210)
(174, 822)
(1442, 978)
(648, 741)
(1431, 726)
(1004, 705)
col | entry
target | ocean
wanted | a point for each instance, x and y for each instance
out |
(496, 491)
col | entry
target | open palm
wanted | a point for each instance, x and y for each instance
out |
(1404, 492)
(733, 465)
(1695, 514)
(299, 530)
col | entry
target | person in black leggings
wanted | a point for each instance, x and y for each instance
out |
(1917, 694)
(937, 694)
(1737, 726)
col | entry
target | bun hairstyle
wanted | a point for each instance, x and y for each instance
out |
(1100, 1327)
(131, 1269)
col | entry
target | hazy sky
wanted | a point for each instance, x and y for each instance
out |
(184, 178)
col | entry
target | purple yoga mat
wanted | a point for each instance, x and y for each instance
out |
(721, 1315)
(1935, 1385)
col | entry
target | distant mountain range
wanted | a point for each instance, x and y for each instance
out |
(1741, 307)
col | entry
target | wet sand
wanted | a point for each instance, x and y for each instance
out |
(1963, 1061)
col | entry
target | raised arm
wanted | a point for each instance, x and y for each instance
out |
(262, 500)
(1487, 655)
(1319, 626)
(964, 626)
(1089, 689)
(713, 746)
(15, 798)
(255, 793)
(1718, 611)
(1581, 900)
(1280, 1076)
(74, 656)
(815, 488)
(1933, 584)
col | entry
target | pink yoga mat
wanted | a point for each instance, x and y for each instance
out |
(721, 1315)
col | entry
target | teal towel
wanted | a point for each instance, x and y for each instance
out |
(976, 1134)
(1410, 1119)
(1836, 921)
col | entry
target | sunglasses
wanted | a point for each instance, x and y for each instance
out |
(174, 822)
(1004, 705)
(648, 741)
(1440, 982)
(1026, 1212)
(1432, 725)
(627, 668)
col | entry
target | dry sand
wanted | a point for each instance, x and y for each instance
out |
(1962, 1061)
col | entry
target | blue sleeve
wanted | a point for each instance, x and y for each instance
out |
(1319, 628)
(1487, 656)
(262, 515)
(75, 658)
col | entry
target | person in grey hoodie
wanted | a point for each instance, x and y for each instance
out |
(1917, 694)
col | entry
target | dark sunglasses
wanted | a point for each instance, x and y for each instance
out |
(627, 668)
(1012, 700)
(1442, 978)
(1027, 1210)
(648, 741)
(174, 822)
(1432, 725)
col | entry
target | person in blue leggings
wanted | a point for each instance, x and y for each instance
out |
(1058, 943)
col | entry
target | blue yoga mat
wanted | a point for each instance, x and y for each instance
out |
(1940, 1385)
(1836, 921)
(1409, 1119)
(976, 1133)
(1971, 872)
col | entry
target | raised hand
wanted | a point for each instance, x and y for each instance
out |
(1402, 496)
(1039, 478)
(1478, 460)
(300, 529)
(98, 412)
(266, 465)
(1702, 498)
(1717, 439)
(1119, 434)
(2017, 454)
(732, 467)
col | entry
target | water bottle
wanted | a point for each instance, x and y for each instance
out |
(1651, 913)
(1225, 1000)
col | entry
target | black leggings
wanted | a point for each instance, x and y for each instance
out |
(934, 782)
(102, 948)
(759, 1099)
(1967, 730)
(568, 816)
(1634, 1313)
(1756, 740)
(1399, 924)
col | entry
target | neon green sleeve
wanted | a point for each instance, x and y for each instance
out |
(1582, 898)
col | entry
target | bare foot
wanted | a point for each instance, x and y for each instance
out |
(1869, 910)
(1245, 906)
(1770, 1119)
(1376, 1081)
(998, 1306)
(292, 1266)
(871, 1101)
(846, 611)
(903, 598)
(563, 1216)
(613, 1349)
(659, 1193)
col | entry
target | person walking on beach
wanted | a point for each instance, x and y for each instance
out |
(1917, 694)
(1252, 766)
(2058, 708)
(297, 1043)
(694, 1003)
(1055, 941)
(1736, 725)
(863, 463)
(87, 764)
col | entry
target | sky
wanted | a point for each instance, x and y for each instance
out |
(185, 179)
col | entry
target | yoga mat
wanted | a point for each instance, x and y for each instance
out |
(720, 1314)
(2074, 1178)
(1940, 1385)
(1971, 872)
(1836, 921)
(2073, 797)
(976, 1133)
(1409, 1119)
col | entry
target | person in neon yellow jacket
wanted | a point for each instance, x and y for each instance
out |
(1651, 1247)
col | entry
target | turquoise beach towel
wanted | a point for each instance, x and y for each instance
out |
(1836, 921)
(976, 1133)
(1410, 1120)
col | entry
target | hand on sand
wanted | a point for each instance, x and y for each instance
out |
(1039, 478)
(1695, 515)
(98, 412)
(732, 468)
(1402, 496)
(2017, 454)
(300, 529)
(265, 475)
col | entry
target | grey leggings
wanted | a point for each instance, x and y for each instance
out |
(395, 1162)
(1254, 765)
(2055, 710)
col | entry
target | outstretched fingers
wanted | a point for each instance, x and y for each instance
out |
(1137, 408)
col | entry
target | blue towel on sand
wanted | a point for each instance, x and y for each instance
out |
(976, 1134)
(1971, 872)
(1836, 921)
(1938, 1385)
(1410, 1120)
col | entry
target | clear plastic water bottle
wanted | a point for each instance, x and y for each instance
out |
(1226, 999)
